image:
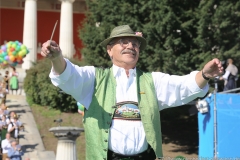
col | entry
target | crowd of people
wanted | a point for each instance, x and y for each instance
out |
(10, 125)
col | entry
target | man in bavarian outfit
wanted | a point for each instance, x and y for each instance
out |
(122, 104)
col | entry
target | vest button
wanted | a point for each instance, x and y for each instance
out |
(110, 114)
(104, 159)
(106, 131)
(108, 123)
(105, 150)
(105, 140)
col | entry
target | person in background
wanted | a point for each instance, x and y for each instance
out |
(14, 81)
(15, 152)
(230, 76)
(6, 79)
(13, 129)
(5, 87)
(5, 110)
(6, 145)
(1, 78)
(4, 127)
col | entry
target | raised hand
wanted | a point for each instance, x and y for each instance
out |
(213, 68)
(51, 50)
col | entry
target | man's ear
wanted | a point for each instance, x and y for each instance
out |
(109, 48)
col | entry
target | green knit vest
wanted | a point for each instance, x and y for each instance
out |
(97, 119)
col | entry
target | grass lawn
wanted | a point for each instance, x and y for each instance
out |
(44, 118)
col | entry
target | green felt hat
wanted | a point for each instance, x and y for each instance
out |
(125, 31)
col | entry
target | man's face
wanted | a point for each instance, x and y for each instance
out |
(124, 51)
(14, 143)
(12, 114)
(7, 136)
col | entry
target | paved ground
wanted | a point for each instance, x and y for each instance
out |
(30, 139)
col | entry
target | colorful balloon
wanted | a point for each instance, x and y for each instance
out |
(11, 58)
(12, 53)
(3, 47)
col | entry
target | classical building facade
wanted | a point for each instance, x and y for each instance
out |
(31, 22)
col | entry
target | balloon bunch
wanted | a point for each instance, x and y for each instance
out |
(12, 53)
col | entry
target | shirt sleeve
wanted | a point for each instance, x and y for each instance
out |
(172, 90)
(76, 81)
(3, 144)
(9, 127)
(226, 74)
(10, 152)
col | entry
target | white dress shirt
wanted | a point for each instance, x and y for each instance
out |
(170, 91)
(6, 145)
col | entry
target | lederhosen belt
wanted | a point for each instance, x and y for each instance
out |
(149, 154)
(129, 110)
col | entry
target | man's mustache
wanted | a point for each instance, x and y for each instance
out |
(129, 51)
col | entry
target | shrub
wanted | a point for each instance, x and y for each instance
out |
(40, 90)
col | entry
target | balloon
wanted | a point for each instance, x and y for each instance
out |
(6, 58)
(19, 60)
(23, 47)
(4, 54)
(20, 54)
(12, 49)
(24, 51)
(3, 47)
(9, 44)
(18, 48)
(12, 53)
(11, 58)
(14, 45)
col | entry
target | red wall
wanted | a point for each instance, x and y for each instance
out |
(11, 27)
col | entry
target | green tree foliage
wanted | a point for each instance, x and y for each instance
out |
(219, 30)
(168, 26)
(182, 35)
(41, 91)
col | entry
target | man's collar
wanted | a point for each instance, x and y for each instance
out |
(117, 69)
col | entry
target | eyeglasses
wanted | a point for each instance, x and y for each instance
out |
(125, 42)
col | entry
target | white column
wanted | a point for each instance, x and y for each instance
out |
(66, 148)
(66, 28)
(30, 32)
